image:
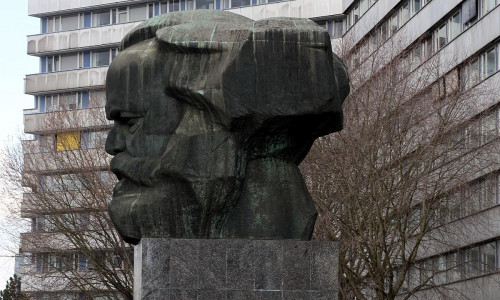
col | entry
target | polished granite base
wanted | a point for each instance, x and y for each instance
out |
(205, 269)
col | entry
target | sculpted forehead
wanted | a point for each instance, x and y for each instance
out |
(132, 77)
(233, 64)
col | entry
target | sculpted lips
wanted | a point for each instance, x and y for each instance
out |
(141, 171)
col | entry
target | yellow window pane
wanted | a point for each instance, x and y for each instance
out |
(68, 141)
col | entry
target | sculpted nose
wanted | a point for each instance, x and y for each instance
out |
(116, 141)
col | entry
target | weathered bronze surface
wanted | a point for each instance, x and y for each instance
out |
(213, 112)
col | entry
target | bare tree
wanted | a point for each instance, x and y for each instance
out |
(72, 247)
(391, 185)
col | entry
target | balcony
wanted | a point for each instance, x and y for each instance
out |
(81, 159)
(48, 241)
(60, 81)
(42, 44)
(68, 201)
(298, 9)
(70, 120)
(38, 8)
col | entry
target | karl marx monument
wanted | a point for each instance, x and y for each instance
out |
(212, 114)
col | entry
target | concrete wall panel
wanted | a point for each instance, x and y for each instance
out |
(48, 83)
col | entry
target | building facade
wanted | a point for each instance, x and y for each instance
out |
(464, 38)
(79, 38)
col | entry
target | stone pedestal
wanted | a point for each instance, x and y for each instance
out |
(235, 269)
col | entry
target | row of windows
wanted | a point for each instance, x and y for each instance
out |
(79, 262)
(76, 221)
(58, 102)
(358, 9)
(74, 182)
(73, 140)
(72, 61)
(481, 67)
(69, 101)
(388, 28)
(458, 265)
(458, 21)
(334, 27)
(475, 197)
(136, 13)
(401, 15)
(475, 134)
(70, 296)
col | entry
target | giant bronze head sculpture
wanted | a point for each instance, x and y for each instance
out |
(213, 112)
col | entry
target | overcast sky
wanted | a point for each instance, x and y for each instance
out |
(15, 25)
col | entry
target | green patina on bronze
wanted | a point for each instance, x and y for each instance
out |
(213, 113)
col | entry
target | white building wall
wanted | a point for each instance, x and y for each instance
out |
(80, 39)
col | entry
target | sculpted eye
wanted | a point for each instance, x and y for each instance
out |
(133, 124)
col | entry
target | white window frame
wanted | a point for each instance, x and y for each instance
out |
(484, 62)
(94, 13)
(112, 54)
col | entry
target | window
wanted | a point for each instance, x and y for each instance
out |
(488, 5)
(374, 41)
(96, 99)
(68, 141)
(82, 221)
(334, 27)
(49, 103)
(50, 64)
(489, 127)
(441, 37)
(236, 3)
(69, 101)
(94, 139)
(439, 270)
(82, 262)
(65, 262)
(470, 261)
(137, 13)
(413, 277)
(63, 101)
(448, 30)
(383, 34)
(473, 135)
(363, 7)
(69, 22)
(204, 4)
(39, 262)
(394, 24)
(337, 28)
(171, 6)
(489, 63)
(488, 192)
(471, 74)
(101, 18)
(405, 12)
(121, 15)
(452, 267)
(416, 6)
(355, 14)
(100, 58)
(455, 25)
(53, 24)
(69, 62)
(488, 258)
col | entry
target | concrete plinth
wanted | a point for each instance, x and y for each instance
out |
(235, 269)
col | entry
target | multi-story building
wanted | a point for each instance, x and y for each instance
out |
(463, 37)
(78, 40)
